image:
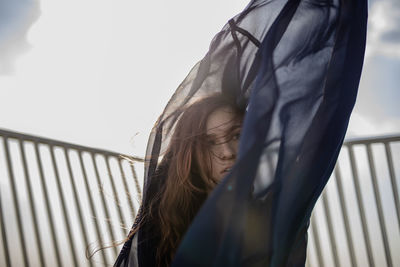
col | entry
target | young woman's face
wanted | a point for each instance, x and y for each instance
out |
(223, 132)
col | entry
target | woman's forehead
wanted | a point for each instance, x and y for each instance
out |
(222, 120)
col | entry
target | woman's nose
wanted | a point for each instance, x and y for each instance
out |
(228, 150)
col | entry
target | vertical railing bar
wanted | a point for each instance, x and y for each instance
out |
(105, 209)
(330, 228)
(76, 198)
(345, 217)
(28, 182)
(132, 209)
(3, 233)
(15, 201)
(393, 181)
(61, 195)
(361, 206)
(48, 208)
(379, 205)
(316, 242)
(135, 178)
(116, 198)
(91, 203)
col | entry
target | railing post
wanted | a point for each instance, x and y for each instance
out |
(345, 216)
(361, 205)
(76, 198)
(47, 201)
(31, 203)
(379, 205)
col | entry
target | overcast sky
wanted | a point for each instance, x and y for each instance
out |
(99, 72)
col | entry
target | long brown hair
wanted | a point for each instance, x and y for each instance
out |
(186, 177)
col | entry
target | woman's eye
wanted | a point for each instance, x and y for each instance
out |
(236, 136)
(212, 142)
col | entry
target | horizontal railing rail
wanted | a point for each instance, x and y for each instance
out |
(43, 140)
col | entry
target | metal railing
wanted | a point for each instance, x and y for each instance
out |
(356, 221)
(57, 198)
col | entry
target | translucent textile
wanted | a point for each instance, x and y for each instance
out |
(295, 66)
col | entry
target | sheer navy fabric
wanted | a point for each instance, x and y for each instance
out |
(295, 66)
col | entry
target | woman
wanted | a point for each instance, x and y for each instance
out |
(294, 66)
(201, 153)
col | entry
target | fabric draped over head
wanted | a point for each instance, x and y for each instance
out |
(295, 66)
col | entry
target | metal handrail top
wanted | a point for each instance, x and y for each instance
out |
(44, 140)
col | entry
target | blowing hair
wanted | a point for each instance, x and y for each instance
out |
(188, 179)
(183, 179)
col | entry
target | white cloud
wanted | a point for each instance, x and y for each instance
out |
(361, 125)
(16, 18)
(384, 29)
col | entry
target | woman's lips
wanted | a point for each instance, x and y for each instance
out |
(226, 170)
